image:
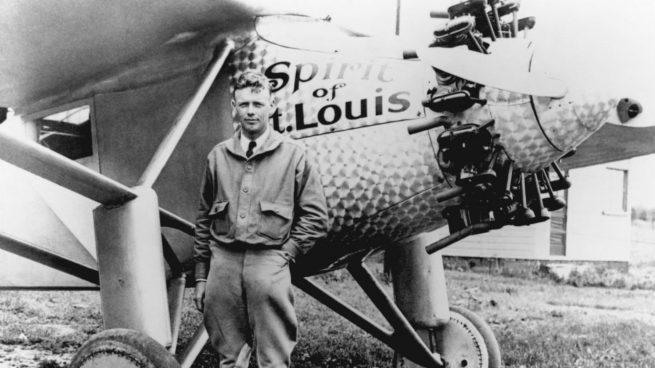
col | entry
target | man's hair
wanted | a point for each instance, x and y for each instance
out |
(254, 80)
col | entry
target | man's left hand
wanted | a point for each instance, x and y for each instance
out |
(200, 295)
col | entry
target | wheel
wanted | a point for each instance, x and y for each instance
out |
(493, 349)
(467, 341)
(122, 348)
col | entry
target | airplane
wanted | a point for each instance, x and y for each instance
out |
(408, 140)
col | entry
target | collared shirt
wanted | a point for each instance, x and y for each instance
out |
(274, 199)
(245, 141)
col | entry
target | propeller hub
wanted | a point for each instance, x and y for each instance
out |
(628, 109)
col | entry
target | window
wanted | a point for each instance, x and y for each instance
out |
(617, 192)
(558, 220)
(67, 133)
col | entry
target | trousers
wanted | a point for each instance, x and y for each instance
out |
(249, 303)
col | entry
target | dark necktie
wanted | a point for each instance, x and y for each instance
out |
(251, 147)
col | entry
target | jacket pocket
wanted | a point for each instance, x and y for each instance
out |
(275, 221)
(220, 218)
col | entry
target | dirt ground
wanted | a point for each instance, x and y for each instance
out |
(537, 321)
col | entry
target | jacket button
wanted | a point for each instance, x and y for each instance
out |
(243, 215)
(245, 190)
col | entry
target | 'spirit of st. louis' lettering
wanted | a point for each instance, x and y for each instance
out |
(350, 106)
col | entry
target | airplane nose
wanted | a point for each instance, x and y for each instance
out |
(536, 131)
(630, 112)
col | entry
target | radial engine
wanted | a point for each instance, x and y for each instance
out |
(499, 149)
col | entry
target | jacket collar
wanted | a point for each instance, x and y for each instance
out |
(272, 142)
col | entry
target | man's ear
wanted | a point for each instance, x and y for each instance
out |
(234, 108)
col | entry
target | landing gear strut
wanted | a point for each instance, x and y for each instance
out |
(464, 341)
(459, 336)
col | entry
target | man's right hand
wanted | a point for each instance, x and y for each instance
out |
(200, 295)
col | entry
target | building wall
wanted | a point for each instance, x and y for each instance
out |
(525, 242)
(598, 226)
(597, 223)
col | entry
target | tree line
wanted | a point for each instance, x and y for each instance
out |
(643, 213)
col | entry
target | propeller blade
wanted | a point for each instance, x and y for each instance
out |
(503, 70)
(493, 70)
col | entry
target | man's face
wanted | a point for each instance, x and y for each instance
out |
(251, 109)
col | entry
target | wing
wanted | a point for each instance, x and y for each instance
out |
(56, 52)
(613, 143)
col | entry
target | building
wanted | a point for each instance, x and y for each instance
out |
(594, 226)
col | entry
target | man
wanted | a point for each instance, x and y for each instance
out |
(262, 204)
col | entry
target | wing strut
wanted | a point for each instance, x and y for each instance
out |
(168, 144)
(63, 171)
(48, 258)
(173, 221)
(403, 339)
(410, 343)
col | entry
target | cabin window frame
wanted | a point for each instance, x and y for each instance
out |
(32, 128)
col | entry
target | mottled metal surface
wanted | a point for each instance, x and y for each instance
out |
(253, 56)
(381, 186)
(367, 171)
(537, 131)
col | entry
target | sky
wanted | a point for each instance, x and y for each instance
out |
(602, 46)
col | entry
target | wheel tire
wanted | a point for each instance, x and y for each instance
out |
(482, 328)
(119, 348)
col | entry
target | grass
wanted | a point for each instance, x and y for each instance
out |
(573, 344)
(639, 277)
(326, 339)
(538, 323)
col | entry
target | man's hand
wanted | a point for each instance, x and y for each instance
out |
(200, 295)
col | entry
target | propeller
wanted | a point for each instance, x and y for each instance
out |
(494, 70)
(498, 70)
